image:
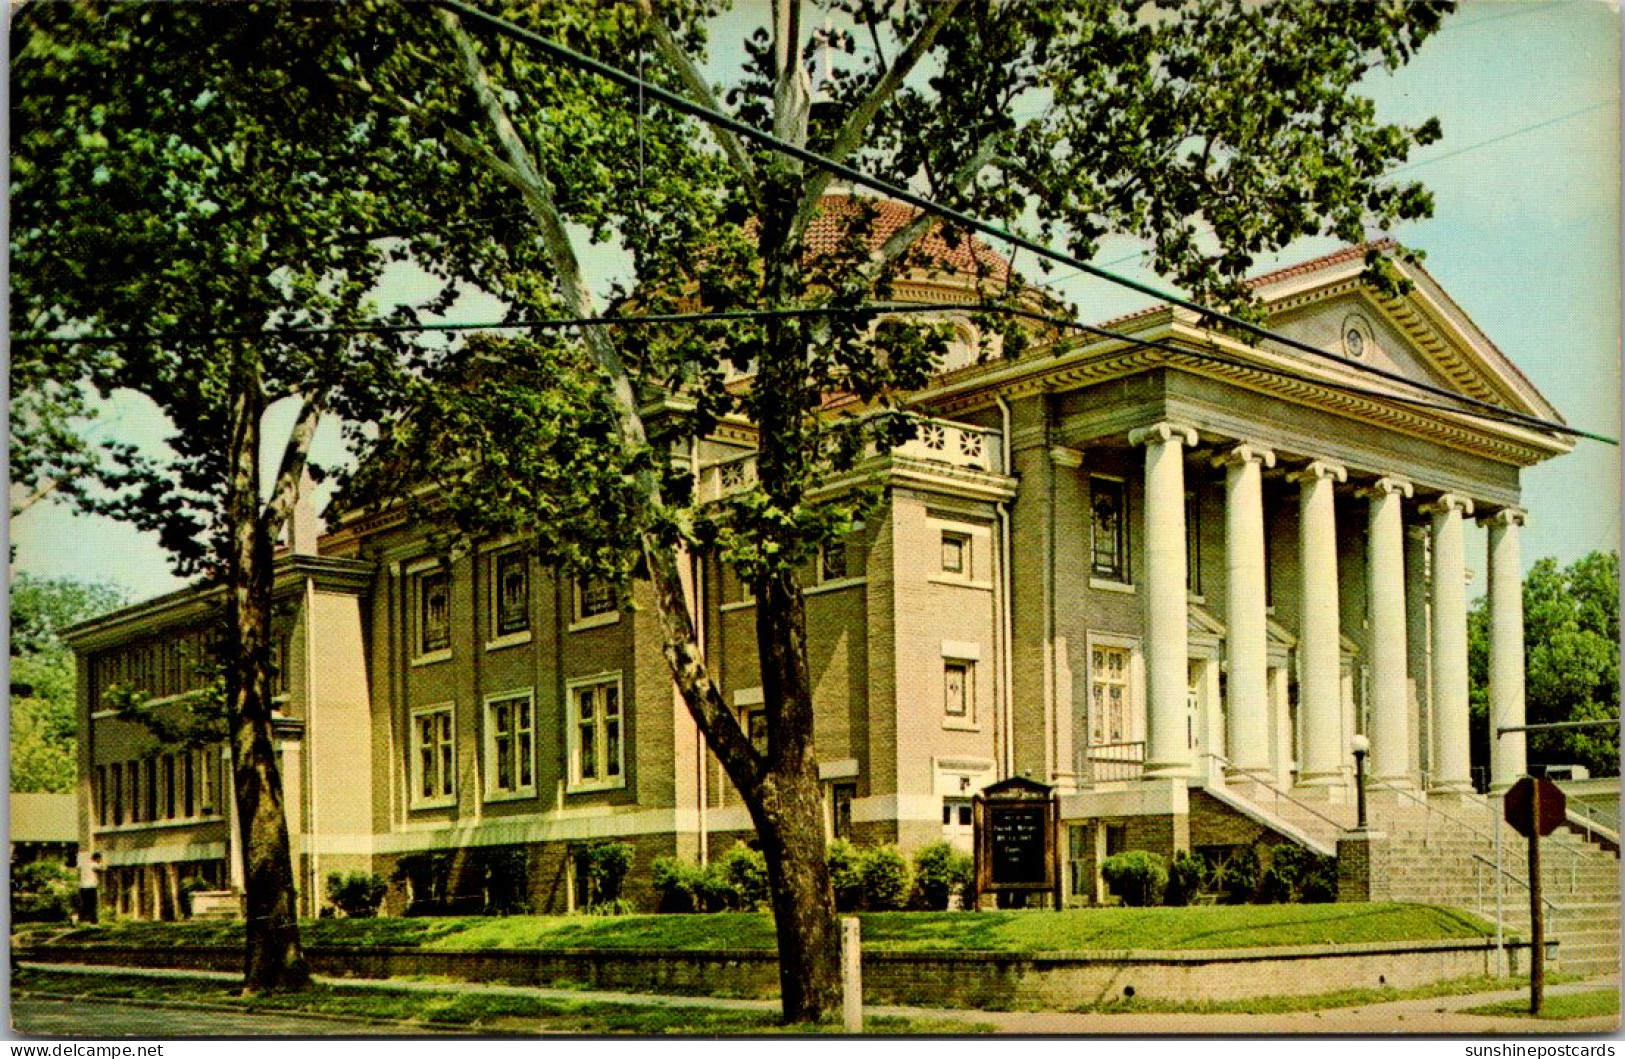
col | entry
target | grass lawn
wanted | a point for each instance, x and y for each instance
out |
(477, 1012)
(1563, 1006)
(1346, 998)
(1102, 929)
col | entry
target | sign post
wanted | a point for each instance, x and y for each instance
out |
(1016, 823)
(1535, 807)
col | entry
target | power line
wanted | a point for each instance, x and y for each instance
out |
(902, 194)
(1499, 415)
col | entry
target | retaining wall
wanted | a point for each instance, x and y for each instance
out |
(970, 979)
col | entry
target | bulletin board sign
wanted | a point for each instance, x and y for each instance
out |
(1017, 825)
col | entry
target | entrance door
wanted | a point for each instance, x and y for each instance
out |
(1195, 680)
(958, 824)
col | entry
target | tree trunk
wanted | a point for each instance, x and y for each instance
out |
(272, 959)
(790, 820)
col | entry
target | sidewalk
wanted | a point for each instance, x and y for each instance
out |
(1435, 1015)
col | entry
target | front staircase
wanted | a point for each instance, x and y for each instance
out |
(1444, 854)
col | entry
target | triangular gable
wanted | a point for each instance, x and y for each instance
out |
(1200, 624)
(1422, 334)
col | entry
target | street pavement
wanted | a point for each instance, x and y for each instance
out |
(1435, 1015)
(92, 1020)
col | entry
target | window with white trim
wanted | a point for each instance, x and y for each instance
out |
(595, 597)
(434, 755)
(958, 689)
(1109, 669)
(956, 555)
(510, 745)
(1108, 523)
(597, 734)
(433, 613)
(510, 593)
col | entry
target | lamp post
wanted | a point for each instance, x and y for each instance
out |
(1361, 747)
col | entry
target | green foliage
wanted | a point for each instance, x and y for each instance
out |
(1296, 874)
(745, 871)
(43, 677)
(941, 873)
(43, 891)
(1187, 875)
(1571, 662)
(886, 878)
(735, 881)
(356, 894)
(1237, 875)
(845, 874)
(675, 883)
(504, 878)
(603, 867)
(428, 880)
(1136, 876)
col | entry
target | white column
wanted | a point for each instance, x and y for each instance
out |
(1507, 752)
(1246, 647)
(1320, 691)
(1390, 732)
(1452, 770)
(1167, 645)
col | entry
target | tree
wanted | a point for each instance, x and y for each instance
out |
(1216, 130)
(43, 680)
(1571, 662)
(181, 181)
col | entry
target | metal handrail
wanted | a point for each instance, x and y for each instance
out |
(1572, 854)
(1595, 814)
(1253, 774)
(1547, 901)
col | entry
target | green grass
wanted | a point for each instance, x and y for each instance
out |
(480, 1012)
(1562, 1006)
(1103, 929)
(1279, 1005)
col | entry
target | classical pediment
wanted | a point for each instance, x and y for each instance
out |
(1422, 335)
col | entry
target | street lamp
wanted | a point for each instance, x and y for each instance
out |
(1361, 747)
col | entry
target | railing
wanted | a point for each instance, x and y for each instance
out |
(1594, 814)
(940, 441)
(1111, 762)
(935, 441)
(1262, 779)
(1432, 810)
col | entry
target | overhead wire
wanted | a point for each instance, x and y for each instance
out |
(958, 217)
(1505, 416)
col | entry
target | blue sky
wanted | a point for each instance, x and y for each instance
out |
(1525, 236)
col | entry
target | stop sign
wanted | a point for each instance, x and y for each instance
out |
(1520, 805)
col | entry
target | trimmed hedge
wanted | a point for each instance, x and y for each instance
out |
(941, 873)
(1137, 877)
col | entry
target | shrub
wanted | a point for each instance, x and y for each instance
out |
(1137, 877)
(940, 872)
(357, 894)
(676, 885)
(428, 881)
(745, 872)
(845, 875)
(601, 869)
(1296, 874)
(504, 875)
(43, 892)
(887, 879)
(1186, 874)
(1237, 876)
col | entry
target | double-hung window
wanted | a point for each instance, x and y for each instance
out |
(1109, 694)
(510, 746)
(597, 733)
(434, 756)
